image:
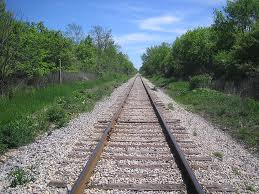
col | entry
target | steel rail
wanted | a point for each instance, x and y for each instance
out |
(84, 177)
(193, 186)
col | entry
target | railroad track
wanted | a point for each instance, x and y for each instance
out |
(141, 150)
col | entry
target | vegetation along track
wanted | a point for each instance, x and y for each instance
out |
(138, 151)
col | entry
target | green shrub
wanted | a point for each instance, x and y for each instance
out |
(178, 88)
(57, 115)
(218, 155)
(200, 81)
(3, 146)
(221, 61)
(162, 81)
(19, 176)
(250, 188)
(18, 132)
(25, 116)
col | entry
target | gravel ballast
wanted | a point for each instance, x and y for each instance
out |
(59, 158)
(236, 166)
(47, 159)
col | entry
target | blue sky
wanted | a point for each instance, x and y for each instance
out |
(135, 24)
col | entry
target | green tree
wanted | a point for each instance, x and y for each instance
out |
(30, 50)
(9, 36)
(242, 13)
(228, 49)
(223, 32)
(41, 49)
(236, 39)
(154, 59)
(192, 52)
(108, 55)
(86, 54)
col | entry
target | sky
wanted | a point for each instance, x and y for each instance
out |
(135, 24)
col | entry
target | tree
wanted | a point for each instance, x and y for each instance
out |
(9, 37)
(154, 59)
(242, 13)
(86, 54)
(105, 47)
(193, 51)
(41, 49)
(31, 50)
(102, 38)
(228, 49)
(223, 32)
(236, 39)
(75, 32)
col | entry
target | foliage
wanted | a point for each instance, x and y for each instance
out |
(75, 33)
(162, 81)
(19, 176)
(40, 51)
(221, 61)
(193, 52)
(200, 81)
(30, 50)
(154, 59)
(109, 58)
(18, 132)
(242, 13)
(228, 49)
(86, 53)
(31, 112)
(9, 36)
(57, 115)
(189, 54)
(218, 155)
(251, 188)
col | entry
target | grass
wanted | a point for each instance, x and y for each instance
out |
(171, 106)
(19, 176)
(250, 188)
(218, 155)
(240, 117)
(31, 112)
(236, 171)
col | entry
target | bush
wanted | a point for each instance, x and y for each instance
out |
(57, 115)
(21, 120)
(221, 61)
(239, 117)
(218, 155)
(18, 132)
(19, 176)
(200, 81)
(3, 146)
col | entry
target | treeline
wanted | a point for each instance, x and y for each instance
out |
(30, 50)
(228, 49)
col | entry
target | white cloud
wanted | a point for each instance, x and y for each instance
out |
(143, 39)
(176, 30)
(158, 23)
(135, 37)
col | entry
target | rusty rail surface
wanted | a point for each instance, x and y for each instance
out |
(193, 186)
(191, 182)
(84, 177)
